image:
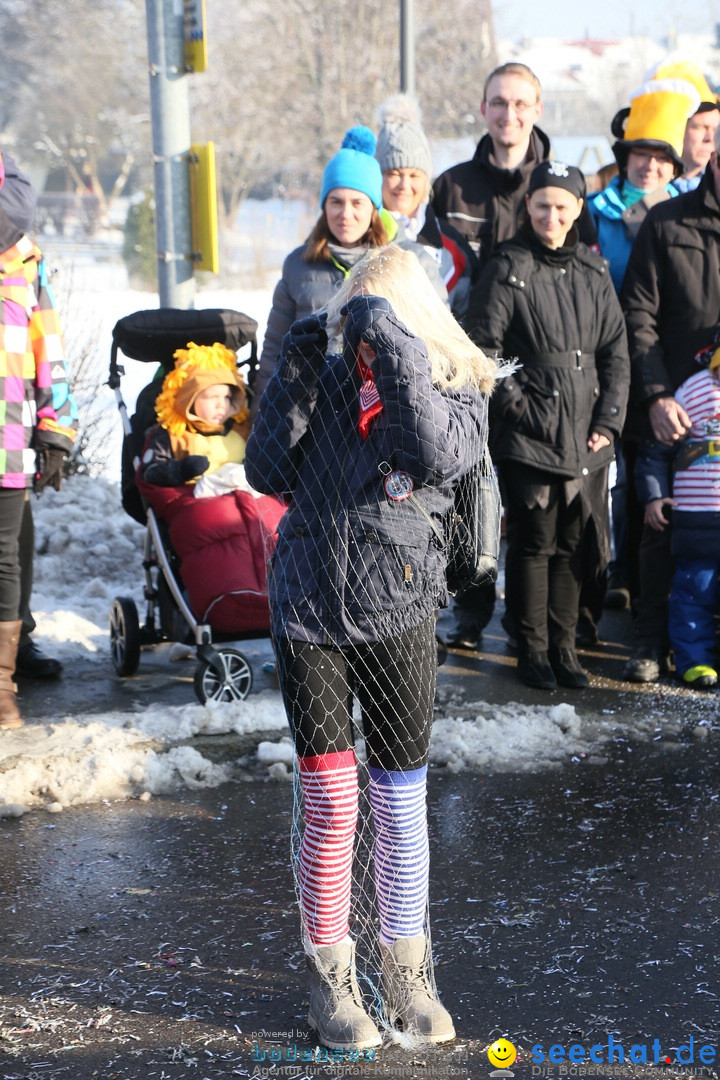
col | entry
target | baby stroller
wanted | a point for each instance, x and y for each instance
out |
(223, 673)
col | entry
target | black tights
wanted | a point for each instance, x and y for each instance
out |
(394, 681)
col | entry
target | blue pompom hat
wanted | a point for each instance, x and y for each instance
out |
(354, 166)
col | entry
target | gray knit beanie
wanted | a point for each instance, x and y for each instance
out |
(401, 141)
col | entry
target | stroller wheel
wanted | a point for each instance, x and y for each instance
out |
(124, 635)
(237, 681)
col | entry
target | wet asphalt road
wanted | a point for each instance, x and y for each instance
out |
(159, 939)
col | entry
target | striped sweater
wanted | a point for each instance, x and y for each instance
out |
(696, 486)
(36, 407)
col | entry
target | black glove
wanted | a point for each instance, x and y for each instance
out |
(306, 342)
(193, 465)
(50, 463)
(309, 333)
(361, 313)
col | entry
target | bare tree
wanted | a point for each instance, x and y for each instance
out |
(286, 80)
(79, 99)
(277, 110)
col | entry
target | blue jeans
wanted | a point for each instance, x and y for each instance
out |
(693, 606)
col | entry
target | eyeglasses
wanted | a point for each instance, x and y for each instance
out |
(498, 104)
(652, 155)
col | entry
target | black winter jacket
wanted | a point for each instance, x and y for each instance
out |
(352, 565)
(486, 203)
(671, 297)
(483, 202)
(558, 314)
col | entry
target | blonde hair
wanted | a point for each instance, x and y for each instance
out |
(398, 276)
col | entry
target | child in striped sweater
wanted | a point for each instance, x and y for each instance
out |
(686, 478)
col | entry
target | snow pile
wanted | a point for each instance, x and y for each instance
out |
(277, 758)
(509, 738)
(87, 551)
(498, 738)
(118, 755)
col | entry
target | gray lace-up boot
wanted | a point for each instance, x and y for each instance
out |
(336, 1011)
(408, 993)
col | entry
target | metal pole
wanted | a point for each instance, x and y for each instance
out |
(170, 116)
(407, 46)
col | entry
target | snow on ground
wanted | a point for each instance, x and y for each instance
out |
(89, 551)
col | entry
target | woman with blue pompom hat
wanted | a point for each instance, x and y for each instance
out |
(351, 222)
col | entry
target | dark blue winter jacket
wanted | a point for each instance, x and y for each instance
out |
(352, 564)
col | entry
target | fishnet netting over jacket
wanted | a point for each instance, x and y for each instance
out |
(353, 564)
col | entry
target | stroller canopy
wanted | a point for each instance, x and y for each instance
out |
(153, 335)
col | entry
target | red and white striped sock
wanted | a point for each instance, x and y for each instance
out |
(330, 793)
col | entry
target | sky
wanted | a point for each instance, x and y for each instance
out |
(612, 18)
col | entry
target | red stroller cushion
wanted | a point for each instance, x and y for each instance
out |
(223, 544)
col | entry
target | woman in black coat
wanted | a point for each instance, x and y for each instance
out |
(549, 302)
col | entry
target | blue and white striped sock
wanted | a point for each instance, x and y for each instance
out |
(401, 859)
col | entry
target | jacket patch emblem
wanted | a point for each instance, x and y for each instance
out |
(398, 485)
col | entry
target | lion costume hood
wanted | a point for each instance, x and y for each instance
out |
(197, 368)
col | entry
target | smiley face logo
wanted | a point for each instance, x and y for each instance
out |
(502, 1054)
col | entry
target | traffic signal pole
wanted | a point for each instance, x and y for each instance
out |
(170, 118)
(407, 46)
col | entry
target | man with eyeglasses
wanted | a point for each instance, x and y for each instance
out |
(483, 198)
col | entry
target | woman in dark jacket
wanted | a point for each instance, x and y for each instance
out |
(361, 444)
(548, 301)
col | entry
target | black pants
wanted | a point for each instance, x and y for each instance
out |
(474, 606)
(543, 560)
(12, 504)
(26, 556)
(394, 681)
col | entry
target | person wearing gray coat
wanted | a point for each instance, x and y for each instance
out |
(351, 222)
